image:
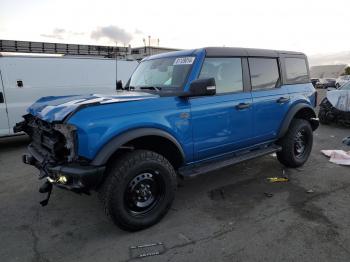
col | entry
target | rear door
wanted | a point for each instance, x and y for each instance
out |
(4, 123)
(270, 98)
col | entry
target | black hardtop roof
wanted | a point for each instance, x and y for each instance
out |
(239, 51)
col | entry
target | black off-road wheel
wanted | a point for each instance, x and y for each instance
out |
(138, 190)
(296, 144)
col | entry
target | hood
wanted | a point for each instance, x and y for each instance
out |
(56, 108)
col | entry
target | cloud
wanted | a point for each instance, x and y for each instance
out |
(52, 36)
(330, 59)
(138, 32)
(57, 33)
(60, 34)
(112, 33)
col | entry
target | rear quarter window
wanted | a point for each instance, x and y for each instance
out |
(296, 70)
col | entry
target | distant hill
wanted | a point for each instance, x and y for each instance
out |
(323, 71)
(330, 58)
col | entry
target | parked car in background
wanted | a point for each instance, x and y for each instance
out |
(335, 107)
(325, 83)
(27, 78)
(341, 80)
(314, 81)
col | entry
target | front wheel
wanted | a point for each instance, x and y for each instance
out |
(296, 144)
(139, 189)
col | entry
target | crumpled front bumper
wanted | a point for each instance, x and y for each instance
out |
(75, 177)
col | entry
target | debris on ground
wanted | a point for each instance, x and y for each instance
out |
(339, 157)
(277, 179)
(268, 194)
(183, 236)
(146, 250)
(346, 141)
(310, 191)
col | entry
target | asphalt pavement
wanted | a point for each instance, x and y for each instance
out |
(233, 214)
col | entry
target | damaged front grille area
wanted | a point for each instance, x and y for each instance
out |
(54, 141)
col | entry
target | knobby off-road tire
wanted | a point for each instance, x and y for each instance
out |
(296, 144)
(138, 190)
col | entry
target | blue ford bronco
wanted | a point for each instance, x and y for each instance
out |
(181, 114)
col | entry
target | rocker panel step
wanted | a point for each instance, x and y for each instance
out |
(208, 166)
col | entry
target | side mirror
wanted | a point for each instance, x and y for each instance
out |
(202, 87)
(119, 85)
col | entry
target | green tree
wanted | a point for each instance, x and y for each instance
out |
(347, 70)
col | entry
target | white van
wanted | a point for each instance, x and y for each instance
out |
(24, 79)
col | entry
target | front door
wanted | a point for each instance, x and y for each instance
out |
(4, 123)
(221, 123)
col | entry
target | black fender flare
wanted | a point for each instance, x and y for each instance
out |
(115, 143)
(291, 114)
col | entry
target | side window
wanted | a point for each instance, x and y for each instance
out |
(226, 71)
(296, 70)
(263, 72)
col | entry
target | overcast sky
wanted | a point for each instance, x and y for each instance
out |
(321, 29)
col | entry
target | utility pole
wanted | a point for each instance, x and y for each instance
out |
(116, 65)
(149, 44)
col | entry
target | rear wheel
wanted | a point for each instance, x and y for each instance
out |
(296, 144)
(139, 189)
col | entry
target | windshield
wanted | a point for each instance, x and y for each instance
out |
(162, 73)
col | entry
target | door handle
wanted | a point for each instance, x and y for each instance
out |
(283, 100)
(1, 98)
(241, 106)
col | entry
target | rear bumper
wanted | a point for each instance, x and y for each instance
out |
(74, 177)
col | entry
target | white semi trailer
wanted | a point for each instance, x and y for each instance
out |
(24, 79)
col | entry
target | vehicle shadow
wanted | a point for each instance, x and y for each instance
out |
(13, 142)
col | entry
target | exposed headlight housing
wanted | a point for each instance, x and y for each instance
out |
(69, 132)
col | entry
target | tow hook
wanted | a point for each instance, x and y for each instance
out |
(46, 188)
(28, 159)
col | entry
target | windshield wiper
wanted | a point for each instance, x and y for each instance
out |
(130, 88)
(150, 88)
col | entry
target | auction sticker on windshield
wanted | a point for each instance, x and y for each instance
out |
(187, 60)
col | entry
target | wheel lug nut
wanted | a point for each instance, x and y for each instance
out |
(148, 186)
(137, 191)
(142, 185)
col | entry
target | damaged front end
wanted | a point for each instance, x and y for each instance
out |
(330, 114)
(53, 151)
